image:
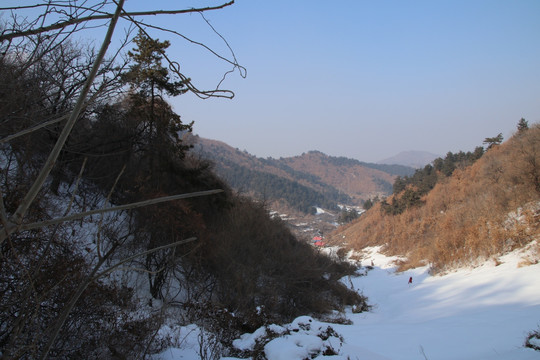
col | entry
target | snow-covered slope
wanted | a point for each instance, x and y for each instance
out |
(478, 313)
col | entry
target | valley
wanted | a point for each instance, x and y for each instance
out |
(472, 313)
(124, 235)
(307, 191)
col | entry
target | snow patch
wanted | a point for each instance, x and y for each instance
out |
(482, 313)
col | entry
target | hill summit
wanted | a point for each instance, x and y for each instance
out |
(415, 159)
(302, 182)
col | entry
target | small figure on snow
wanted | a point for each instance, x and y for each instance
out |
(410, 281)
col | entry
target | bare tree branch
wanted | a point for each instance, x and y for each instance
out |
(76, 186)
(17, 217)
(147, 252)
(3, 214)
(94, 275)
(117, 208)
(32, 129)
(79, 20)
(100, 223)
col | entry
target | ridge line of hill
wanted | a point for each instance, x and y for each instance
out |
(301, 182)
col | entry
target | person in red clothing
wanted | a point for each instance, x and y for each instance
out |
(410, 280)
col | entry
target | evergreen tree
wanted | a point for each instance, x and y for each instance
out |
(492, 141)
(158, 152)
(522, 125)
(147, 75)
(347, 215)
(412, 188)
(149, 80)
(368, 204)
(399, 184)
(477, 154)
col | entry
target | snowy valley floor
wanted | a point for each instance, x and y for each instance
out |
(479, 313)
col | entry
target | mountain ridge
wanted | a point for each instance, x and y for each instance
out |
(325, 179)
(411, 158)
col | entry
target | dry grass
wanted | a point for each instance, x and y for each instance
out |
(483, 210)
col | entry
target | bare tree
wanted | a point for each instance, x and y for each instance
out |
(69, 18)
(71, 90)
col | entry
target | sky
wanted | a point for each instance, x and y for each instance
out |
(369, 79)
(355, 78)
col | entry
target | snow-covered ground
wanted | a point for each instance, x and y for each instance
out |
(480, 313)
(477, 313)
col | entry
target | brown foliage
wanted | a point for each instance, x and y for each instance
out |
(482, 210)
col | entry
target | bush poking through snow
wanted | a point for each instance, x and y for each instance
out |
(304, 338)
(533, 340)
(361, 307)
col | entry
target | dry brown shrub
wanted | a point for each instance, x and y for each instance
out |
(465, 218)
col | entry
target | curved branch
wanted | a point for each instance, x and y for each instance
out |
(175, 67)
(75, 21)
(17, 217)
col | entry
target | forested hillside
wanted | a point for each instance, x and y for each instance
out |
(110, 227)
(485, 206)
(312, 179)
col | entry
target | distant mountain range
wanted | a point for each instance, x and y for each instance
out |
(415, 159)
(301, 182)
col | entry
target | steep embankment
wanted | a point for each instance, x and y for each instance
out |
(483, 210)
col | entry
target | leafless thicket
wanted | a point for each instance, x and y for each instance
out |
(50, 88)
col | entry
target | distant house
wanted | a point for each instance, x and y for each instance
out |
(318, 241)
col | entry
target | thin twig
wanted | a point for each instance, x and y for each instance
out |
(75, 20)
(3, 214)
(118, 208)
(98, 243)
(168, 246)
(175, 67)
(422, 352)
(32, 129)
(76, 187)
(19, 214)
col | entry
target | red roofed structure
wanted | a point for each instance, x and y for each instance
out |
(318, 241)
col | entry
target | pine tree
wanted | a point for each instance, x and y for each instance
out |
(147, 74)
(522, 125)
(149, 80)
(492, 141)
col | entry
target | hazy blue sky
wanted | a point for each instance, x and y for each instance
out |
(368, 79)
(361, 79)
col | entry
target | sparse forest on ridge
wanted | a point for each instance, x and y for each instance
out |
(462, 209)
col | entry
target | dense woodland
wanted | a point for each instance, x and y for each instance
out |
(271, 187)
(102, 285)
(466, 208)
(302, 182)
